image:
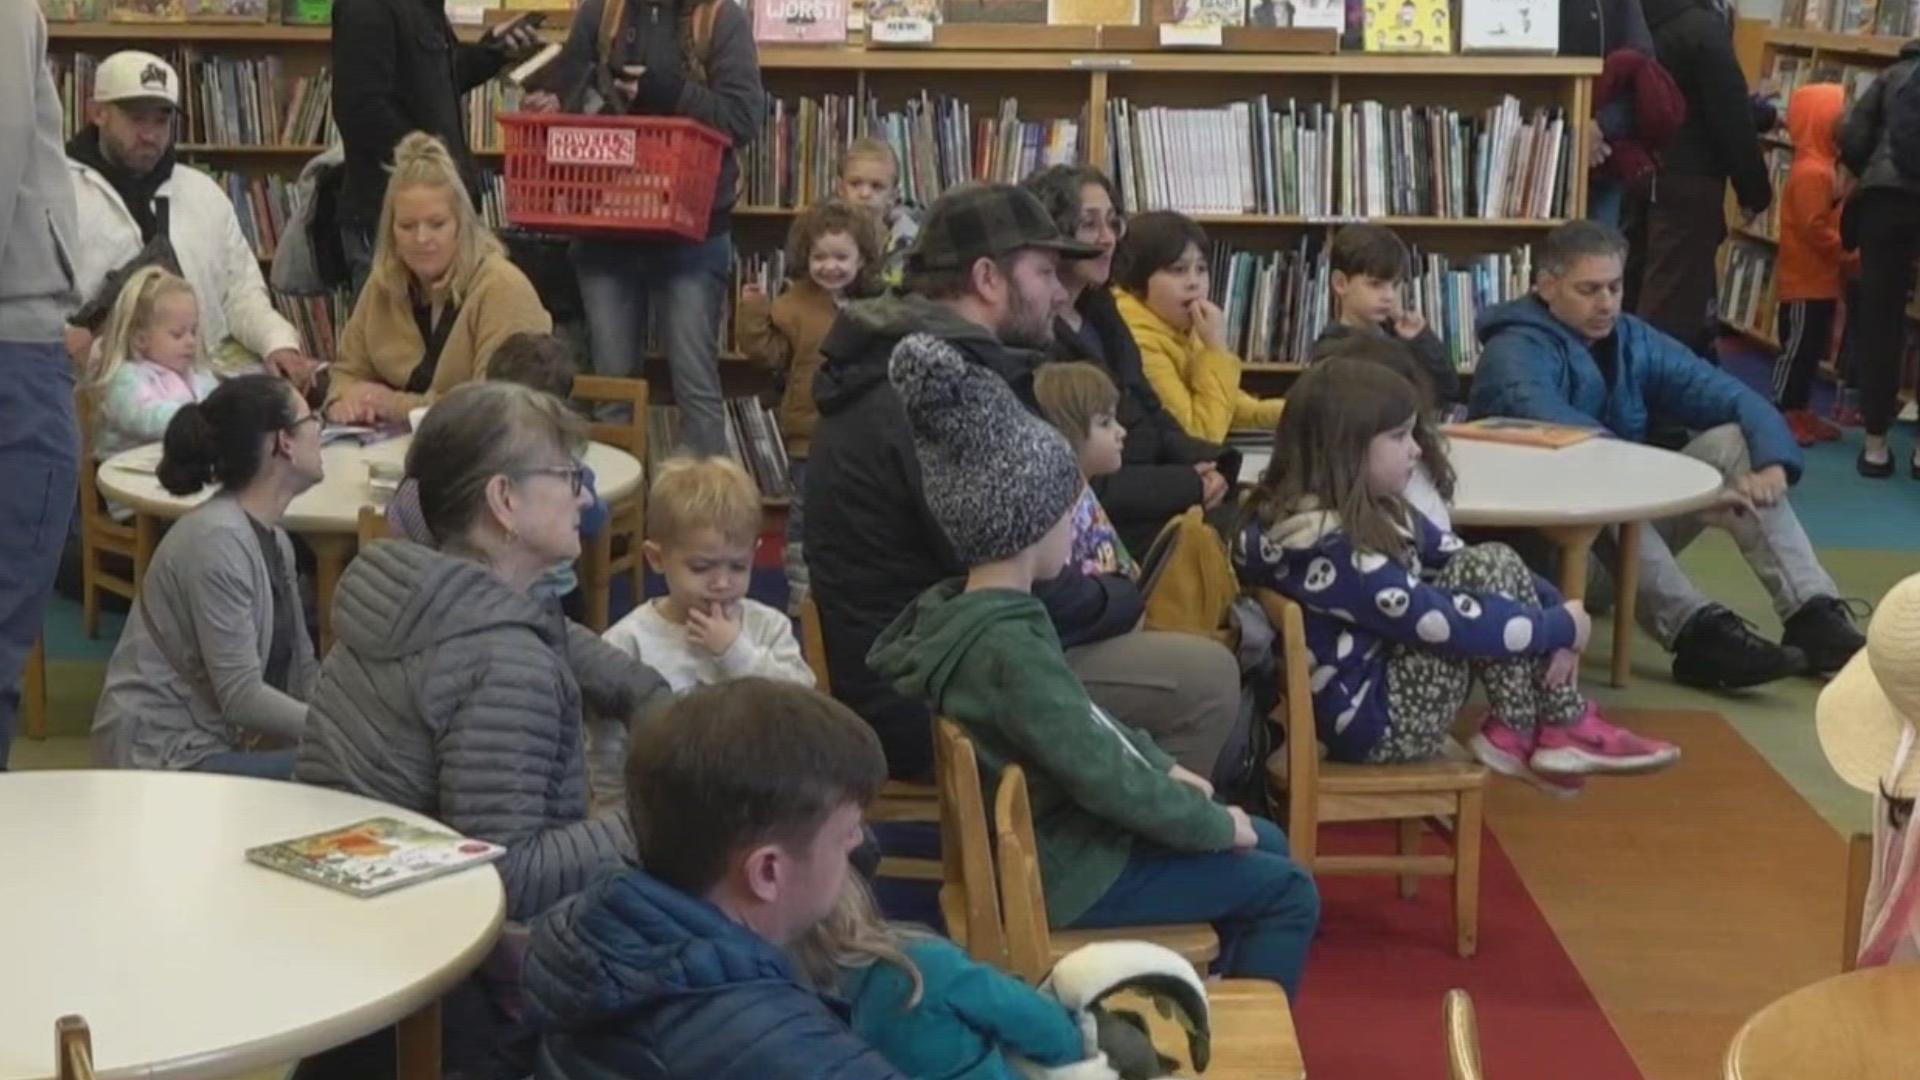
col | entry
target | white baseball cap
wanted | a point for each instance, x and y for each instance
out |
(133, 75)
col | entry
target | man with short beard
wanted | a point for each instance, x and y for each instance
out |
(984, 277)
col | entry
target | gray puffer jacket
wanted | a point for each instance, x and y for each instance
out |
(450, 694)
(1864, 145)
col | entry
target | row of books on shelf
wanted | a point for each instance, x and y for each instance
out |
(301, 12)
(796, 159)
(940, 144)
(1779, 161)
(1892, 18)
(1363, 159)
(753, 438)
(1451, 293)
(225, 101)
(1788, 72)
(1746, 288)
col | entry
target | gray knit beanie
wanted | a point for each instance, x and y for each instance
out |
(996, 476)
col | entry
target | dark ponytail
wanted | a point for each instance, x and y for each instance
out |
(219, 440)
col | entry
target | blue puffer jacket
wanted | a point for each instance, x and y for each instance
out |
(637, 980)
(1535, 367)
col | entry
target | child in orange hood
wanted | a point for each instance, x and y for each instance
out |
(1812, 264)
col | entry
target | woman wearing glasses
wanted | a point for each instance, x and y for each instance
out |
(214, 668)
(1164, 470)
(453, 691)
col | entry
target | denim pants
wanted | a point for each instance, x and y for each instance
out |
(621, 282)
(1262, 904)
(39, 471)
(261, 764)
(1771, 539)
(794, 555)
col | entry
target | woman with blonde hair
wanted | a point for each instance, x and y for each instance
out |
(441, 297)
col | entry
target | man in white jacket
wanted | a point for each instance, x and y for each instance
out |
(129, 188)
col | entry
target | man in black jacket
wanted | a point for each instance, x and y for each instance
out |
(398, 68)
(984, 278)
(1684, 221)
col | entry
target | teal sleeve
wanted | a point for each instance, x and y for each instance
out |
(1018, 1018)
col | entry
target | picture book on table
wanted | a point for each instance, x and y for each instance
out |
(1093, 12)
(1507, 429)
(374, 856)
(148, 11)
(1510, 26)
(1199, 13)
(1420, 26)
(800, 22)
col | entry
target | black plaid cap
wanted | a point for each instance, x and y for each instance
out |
(988, 221)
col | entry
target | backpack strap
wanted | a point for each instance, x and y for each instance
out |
(700, 31)
(611, 16)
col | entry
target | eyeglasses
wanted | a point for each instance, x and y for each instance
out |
(1090, 224)
(575, 476)
(312, 417)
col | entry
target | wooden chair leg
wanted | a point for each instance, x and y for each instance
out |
(1409, 846)
(89, 597)
(1466, 872)
(33, 692)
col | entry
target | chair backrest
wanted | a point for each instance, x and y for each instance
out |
(813, 641)
(73, 1048)
(373, 525)
(968, 897)
(1859, 877)
(1463, 1038)
(609, 390)
(1296, 695)
(1022, 900)
(93, 507)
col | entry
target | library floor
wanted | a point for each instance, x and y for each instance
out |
(1684, 902)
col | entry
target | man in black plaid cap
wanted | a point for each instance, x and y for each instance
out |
(983, 277)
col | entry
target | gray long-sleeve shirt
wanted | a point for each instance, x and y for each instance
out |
(36, 199)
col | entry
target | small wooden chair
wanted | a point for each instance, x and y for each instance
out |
(1448, 794)
(33, 693)
(813, 642)
(976, 881)
(1252, 1025)
(1463, 1037)
(1859, 876)
(373, 525)
(100, 535)
(968, 900)
(628, 519)
(72, 1049)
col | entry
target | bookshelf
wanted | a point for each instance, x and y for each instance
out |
(1054, 89)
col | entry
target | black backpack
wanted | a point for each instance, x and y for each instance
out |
(1902, 108)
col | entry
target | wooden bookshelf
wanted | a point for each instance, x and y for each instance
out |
(1853, 46)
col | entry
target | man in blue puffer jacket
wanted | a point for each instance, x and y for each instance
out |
(746, 799)
(1567, 354)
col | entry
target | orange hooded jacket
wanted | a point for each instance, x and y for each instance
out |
(1811, 259)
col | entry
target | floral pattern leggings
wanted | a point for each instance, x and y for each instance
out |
(1426, 690)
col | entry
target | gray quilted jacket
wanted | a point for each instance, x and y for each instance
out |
(452, 695)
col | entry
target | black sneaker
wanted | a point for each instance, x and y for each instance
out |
(1719, 650)
(1824, 629)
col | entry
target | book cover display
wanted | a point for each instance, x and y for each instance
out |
(1420, 26)
(149, 11)
(800, 22)
(374, 856)
(1093, 12)
(1030, 12)
(1199, 13)
(73, 10)
(227, 11)
(307, 12)
(902, 21)
(1510, 26)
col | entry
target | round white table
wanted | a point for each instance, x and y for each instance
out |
(129, 900)
(1571, 494)
(327, 515)
(1856, 1026)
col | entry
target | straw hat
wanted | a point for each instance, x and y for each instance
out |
(1876, 697)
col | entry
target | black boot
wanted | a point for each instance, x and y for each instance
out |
(1823, 628)
(1719, 650)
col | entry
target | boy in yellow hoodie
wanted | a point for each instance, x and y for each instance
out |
(1161, 282)
(1812, 265)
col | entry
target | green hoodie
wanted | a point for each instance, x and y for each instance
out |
(990, 661)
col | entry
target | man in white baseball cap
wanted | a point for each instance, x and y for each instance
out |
(141, 207)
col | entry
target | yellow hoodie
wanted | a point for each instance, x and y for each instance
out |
(1199, 385)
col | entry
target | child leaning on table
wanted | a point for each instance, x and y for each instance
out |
(1402, 616)
(149, 361)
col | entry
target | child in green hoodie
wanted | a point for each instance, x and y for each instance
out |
(1127, 837)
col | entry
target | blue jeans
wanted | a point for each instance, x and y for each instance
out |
(794, 556)
(39, 471)
(621, 282)
(264, 764)
(1262, 904)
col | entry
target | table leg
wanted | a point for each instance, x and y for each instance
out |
(418, 1040)
(1626, 587)
(146, 537)
(1575, 543)
(330, 554)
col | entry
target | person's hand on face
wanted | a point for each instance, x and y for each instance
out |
(1407, 324)
(714, 627)
(1209, 323)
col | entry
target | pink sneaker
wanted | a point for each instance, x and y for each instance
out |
(1506, 751)
(1595, 746)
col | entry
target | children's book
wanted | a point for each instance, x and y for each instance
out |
(1421, 26)
(905, 21)
(800, 22)
(1517, 432)
(470, 12)
(307, 12)
(374, 856)
(1093, 12)
(227, 10)
(1510, 26)
(976, 12)
(73, 10)
(149, 11)
(1199, 13)
(1320, 14)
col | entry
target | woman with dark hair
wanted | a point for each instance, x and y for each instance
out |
(1163, 284)
(1163, 469)
(216, 655)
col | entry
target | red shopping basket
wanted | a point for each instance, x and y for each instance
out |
(611, 175)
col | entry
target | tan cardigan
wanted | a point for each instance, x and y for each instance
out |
(787, 336)
(382, 343)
